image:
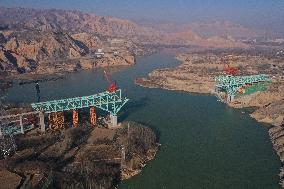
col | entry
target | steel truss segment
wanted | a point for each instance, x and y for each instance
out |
(110, 102)
(233, 83)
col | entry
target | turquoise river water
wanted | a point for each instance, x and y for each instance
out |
(205, 144)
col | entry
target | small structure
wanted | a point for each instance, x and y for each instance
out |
(115, 53)
(99, 53)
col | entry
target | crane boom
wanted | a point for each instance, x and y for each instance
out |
(112, 85)
(107, 77)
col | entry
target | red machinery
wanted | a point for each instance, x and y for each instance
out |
(227, 68)
(112, 85)
(230, 70)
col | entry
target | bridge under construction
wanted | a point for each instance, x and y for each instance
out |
(232, 85)
(111, 102)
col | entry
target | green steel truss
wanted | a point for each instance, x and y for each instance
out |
(110, 102)
(231, 84)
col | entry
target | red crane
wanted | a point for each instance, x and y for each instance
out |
(230, 70)
(227, 68)
(112, 85)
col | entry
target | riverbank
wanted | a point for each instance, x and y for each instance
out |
(196, 74)
(196, 131)
(197, 71)
(79, 157)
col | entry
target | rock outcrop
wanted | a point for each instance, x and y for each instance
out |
(26, 51)
(83, 157)
(54, 41)
(273, 113)
(276, 134)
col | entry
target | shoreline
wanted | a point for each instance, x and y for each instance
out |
(270, 111)
(131, 172)
(96, 157)
(173, 79)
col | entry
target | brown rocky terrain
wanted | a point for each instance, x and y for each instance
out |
(50, 41)
(75, 21)
(82, 157)
(225, 29)
(51, 52)
(190, 38)
(197, 72)
(272, 113)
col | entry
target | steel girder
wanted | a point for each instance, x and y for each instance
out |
(110, 102)
(233, 83)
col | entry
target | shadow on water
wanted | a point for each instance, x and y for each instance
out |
(133, 106)
(156, 130)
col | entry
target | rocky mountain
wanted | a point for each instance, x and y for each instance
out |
(155, 32)
(24, 51)
(47, 41)
(224, 29)
(72, 21)
(32, 39)
(188, 37)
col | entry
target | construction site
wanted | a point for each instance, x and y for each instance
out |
(233, 84)
(66, 143)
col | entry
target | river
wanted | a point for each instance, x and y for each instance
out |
(205, 144)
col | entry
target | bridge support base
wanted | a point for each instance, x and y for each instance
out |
(230, 98)
(113, 120)
(21, 125)
(93, 116)
(41, 122)
(75, 118)
(123, 162)
(56, 121)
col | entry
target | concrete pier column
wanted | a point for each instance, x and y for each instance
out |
(75, 118)
(1, 134)
(93, 116)
(21, 124)
(41, 122)
(228, 98)
(123, 162)
(232, 98)
(113, 120)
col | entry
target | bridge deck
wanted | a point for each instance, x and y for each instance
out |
(110, 102)
(232, 83)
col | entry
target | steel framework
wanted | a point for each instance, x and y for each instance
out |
(231, 84)
(110, 102)
(18, 123)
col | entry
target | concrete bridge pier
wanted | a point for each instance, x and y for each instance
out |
(123, 162)
(113, 120)
(93, 116)
(41, 122)
(75, 118)
(21, 124)
(230, 98)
